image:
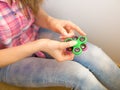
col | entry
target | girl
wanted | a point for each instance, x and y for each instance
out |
(31, 57)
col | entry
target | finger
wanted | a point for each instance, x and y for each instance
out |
(69, 30)
(65, 57)
(65, 32)
(64, 45)
(69, 56)
(70, 34)
(62, 31)
(75, 27)
(64, 37)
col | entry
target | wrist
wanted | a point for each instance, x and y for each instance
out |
(49, 21)
(41, 44)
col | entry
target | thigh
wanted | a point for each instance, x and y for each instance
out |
(45, 33)
(101, 65)
(38, 72)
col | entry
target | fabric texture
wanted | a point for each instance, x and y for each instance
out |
(92, 70)
(15, 28)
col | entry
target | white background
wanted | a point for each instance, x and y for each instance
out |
(100, 19)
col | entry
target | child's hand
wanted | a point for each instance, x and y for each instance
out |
(63, 27)
(58, 50)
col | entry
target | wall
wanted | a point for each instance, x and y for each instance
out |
(100, 19)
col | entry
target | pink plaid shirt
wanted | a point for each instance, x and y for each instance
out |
(15, 28)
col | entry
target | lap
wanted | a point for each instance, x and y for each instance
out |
(45, 33)
(37, 72)
(33, 71)
(98, 62)
(93, 55)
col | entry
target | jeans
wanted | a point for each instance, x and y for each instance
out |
(92, 70)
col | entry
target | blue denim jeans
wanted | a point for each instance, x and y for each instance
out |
(92, 70)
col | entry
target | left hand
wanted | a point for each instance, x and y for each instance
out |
(64, 27)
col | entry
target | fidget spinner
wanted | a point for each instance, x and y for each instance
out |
(80, 46)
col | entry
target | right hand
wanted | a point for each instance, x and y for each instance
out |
(58, 50)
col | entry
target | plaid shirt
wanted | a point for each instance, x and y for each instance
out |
(15, 28)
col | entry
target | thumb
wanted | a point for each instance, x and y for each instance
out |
(68, 44)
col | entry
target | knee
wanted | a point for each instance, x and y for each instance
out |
(94, 51)
(96, 58)
(81, 77)
(96, 55)
(79, 74)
